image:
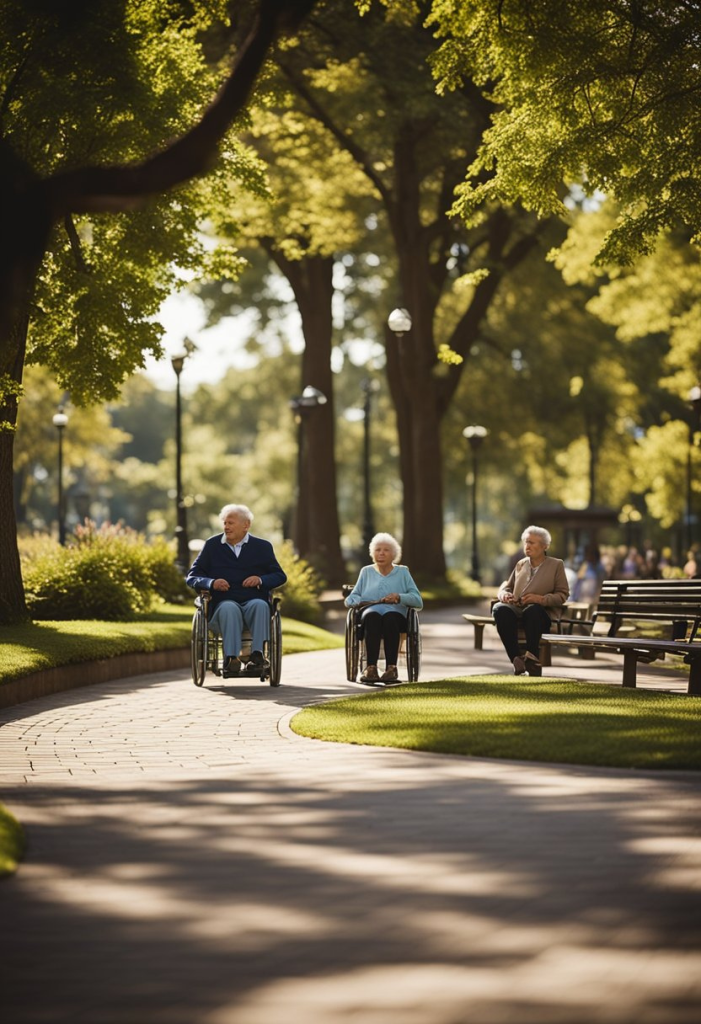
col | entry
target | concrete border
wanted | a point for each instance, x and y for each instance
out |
(85, 673)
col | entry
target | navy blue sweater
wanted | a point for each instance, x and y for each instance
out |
(217, 561)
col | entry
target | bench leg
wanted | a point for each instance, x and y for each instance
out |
(695, 676)
(479, 635)
(545, 655)
(630, 666)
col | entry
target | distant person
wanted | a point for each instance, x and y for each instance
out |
(590, 576)
(632, 564)
(532, 596)
(386, 591)
(692, 566)
(239, 570)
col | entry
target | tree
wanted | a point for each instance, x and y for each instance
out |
(52, 171)
(606, 93)
(369, 86)
(314, 212)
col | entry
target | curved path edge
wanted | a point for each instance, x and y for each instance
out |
(87, 673)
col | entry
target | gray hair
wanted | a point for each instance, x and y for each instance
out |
(538, 531)
(242, 511)
(385, 538)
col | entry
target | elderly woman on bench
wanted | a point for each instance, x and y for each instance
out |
(532, 596)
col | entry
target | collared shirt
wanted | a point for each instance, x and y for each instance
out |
(236, 548)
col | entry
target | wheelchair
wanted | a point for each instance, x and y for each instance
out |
(207, 655)
(409, 649)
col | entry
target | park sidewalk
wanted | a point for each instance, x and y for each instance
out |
(192, 861)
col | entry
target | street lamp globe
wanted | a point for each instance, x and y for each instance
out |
(475, 434)
(60, 420)
(399, 321)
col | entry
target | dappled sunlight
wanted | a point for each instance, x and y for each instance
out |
(591, 984)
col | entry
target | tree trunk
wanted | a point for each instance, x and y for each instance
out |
(317, 533)
(13, 606)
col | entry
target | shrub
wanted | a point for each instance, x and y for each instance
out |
(109, 573)
(300, 596)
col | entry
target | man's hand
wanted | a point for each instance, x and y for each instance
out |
(252, 581)
(390, 599)
(532, 599)
(220, 585)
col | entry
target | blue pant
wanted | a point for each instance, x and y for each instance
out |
(535, 619)
(229, 618)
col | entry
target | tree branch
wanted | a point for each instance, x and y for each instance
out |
(75, 244)
(120, 188)
(351, 147)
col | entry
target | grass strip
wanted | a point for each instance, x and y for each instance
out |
(551, 720)
(12, 842)
(34, 646)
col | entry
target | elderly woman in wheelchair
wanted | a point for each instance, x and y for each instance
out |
(234, 575)
(387, 600)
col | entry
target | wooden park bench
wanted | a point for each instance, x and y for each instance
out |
(673, 606)
(575, 616)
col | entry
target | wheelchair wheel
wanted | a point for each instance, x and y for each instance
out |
(275, 648)
(198, 647)
(352, 644)
(413, 646)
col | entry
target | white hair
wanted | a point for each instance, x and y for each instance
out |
(385, 538)
(242, 511)
(538, 531)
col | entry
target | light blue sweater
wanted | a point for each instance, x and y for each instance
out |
(372, 586)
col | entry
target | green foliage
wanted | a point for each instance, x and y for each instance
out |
(109, 84)
(110, 573)
(12, 842)
(603, 92)
(554, 720)
(300, 596)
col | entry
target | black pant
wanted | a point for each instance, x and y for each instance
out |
(535, 619)
(387, 627)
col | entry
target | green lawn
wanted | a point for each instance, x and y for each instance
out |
(11, 842)
(29, 648)
(553, 720)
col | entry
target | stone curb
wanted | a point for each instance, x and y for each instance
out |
(69, 677)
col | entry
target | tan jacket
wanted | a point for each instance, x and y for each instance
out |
(550, 580)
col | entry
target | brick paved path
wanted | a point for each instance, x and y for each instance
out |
(192, 862)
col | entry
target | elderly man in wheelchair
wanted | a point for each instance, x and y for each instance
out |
(236, 627)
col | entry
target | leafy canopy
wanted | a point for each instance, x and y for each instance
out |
(605, 92)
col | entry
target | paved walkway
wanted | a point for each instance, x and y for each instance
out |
(191, 861)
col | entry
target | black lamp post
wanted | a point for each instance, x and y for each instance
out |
(60, 420)
(301, 405)
(369, 385)
(181, 538)
(694, 425)
(475, 436)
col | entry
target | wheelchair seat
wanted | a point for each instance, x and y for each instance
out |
(207, 655)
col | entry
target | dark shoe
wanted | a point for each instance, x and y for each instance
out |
(370, 675)
(519, 666)
(533, 666)
(390, 675)
(257, 661)
(232, 667)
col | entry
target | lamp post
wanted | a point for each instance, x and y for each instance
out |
(369, 385)
(301, 406)
(60, 420)
(475, 436)
(694, 425)
(181, 539)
